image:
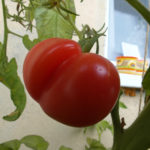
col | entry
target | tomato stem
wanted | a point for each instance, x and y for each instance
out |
(13, 33)
(5, 28)
(118, 130)
(137, 136)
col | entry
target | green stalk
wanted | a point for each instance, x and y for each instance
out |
(75, 29)
(140, 8)
(5, 29)
(70, 22)
(118, 130)
(137, 136)
(13, 33)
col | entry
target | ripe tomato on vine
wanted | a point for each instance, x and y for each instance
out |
(75, 88)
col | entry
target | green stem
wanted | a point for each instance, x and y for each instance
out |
(75, 29)
(137, 136)
(71, 23)
(140, 8)
(13, 33)
(118, 130)
(5, 28)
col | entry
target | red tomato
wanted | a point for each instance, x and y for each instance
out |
(74, 88)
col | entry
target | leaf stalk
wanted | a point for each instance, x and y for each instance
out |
(118, 130)
(5, 28)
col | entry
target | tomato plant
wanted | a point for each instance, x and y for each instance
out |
(75, 88)
(72, 85)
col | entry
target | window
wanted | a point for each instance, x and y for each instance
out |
(125, 25)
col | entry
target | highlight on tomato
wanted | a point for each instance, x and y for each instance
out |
(77, 89)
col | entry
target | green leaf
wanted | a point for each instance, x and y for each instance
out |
(70, 5)
(87, 43)
(29, 13)
(49, 23)
(85, 130)
(68, 11)
(103, 125)
(122, 105)
(146, 82)
(94, 144)
(28, 43)
(64, 148)
(9, 77)
(100, 127)
(35, 142)
(2, 147)
(32, 141)
(11, 145)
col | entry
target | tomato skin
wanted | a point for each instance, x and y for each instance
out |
(82, 90)
(86, 91)
(42, 61)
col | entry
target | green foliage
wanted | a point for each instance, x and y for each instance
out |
(13, 145)
(32, 141)
(9, 77)
(87, 43)
(94, 144)
(100, 127)
(28, 43)
(65, 148)
(90, 37)
(2, 147)
(52, 22)
(35, 142)
(122, 105)
(58, 20)
(103, 126)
